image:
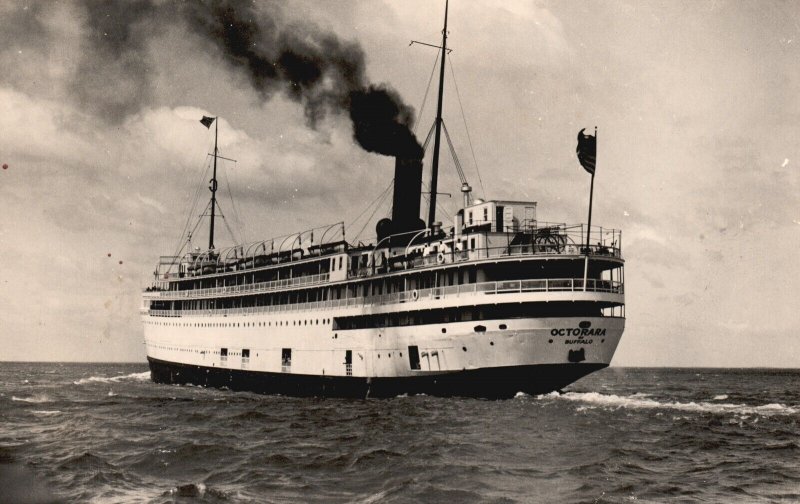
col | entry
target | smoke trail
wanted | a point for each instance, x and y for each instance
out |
(113, 74)
(316, 69)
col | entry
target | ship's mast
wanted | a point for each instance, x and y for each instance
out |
(213, 188)
(438, 135)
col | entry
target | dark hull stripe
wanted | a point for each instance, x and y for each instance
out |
(500, 382)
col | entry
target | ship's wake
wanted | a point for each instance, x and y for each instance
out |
(644, 402)
(114, 379)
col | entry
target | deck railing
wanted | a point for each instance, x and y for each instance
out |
(541, 239)
(239, 289)
(480, 254)
(414, 296)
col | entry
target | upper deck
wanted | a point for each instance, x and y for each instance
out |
(301, 261)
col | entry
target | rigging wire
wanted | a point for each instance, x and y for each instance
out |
(194, 201)
(425, 146)
(197, 224)
(464, 118)
(239, 222)
(225, 221)
(425, 98)
(182, 239)
(184, 172)
(353, 222)
(382, 197)
(456, 161)
(438, 204)
(428, 138)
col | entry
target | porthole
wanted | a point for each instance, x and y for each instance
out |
(464, 348)
(503, 326)
(480, 328)
(444, 330)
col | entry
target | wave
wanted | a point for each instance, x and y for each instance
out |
(36, 399)
(720, 397)
(46, 412)
(639, 402)
(114, 379)
(196, 491)
(188, 490)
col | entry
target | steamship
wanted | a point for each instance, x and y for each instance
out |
(494, 303)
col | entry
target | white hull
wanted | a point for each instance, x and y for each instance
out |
(317, 349)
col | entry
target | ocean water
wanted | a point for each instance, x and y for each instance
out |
(105, 433)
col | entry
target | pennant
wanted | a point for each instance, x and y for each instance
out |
(587, 151)
(207, 121)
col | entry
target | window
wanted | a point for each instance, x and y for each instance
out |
(472, 243)
(413, 357)
(286, 358)
(480, 328)
(245, 353)
(470, 217)
(485, 214)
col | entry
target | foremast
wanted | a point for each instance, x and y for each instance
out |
(213, 186)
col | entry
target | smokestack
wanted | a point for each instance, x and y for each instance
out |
(407, 194)
(405, 202)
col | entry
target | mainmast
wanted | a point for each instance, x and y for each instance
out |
(213, 188)
(437, 137)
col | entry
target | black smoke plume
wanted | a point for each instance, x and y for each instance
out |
(316, 69)
(323, 73)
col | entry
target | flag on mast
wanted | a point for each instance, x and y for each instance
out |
(207, 121)
(587, 150)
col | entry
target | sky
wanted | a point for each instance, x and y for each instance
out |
(697, 105)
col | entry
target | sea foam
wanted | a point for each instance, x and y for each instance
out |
(39, 398)
(114, 379)
(46, 412)
(638, 402)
